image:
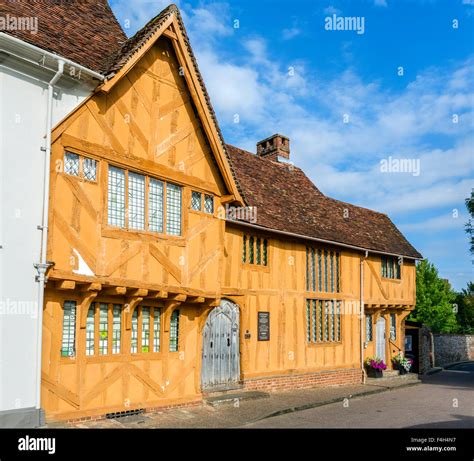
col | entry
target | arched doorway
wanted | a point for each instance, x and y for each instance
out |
(220, 348)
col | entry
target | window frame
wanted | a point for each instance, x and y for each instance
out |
(390, 269)
(72, 304)
(323, 269)
(249, 248)
(80, 174)
(164, 209)
(151, 337)
(324, 321)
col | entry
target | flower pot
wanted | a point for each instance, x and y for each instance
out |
(374, 373)
(402, 371)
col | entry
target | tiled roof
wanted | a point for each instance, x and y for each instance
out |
(84, 31)
(287, 200)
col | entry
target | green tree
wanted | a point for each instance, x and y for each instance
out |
(470, 224)
(465, 306)
(434, 300)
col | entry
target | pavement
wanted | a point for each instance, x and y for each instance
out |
(442, 400)
(242, 412)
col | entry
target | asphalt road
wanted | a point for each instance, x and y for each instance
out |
(443, 400)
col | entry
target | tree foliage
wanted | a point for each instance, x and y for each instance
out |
(434, 300)
(465, 309)
(470, 223)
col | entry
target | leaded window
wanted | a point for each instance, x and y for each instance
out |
(136, 201)
(156, 329)
(116, 197)
(369, 335)
(209, 204)
(320, 271)
(325, 270)
(331, 271)
(117, 329)
(103, 328)
(196, 200)
(134, 333)
(89, 169)
(145, 345)
(259, 252)
(68, 346)
(317, 272)
(71, 164)
(174, 331)
(155, 205)
(391, 267)
(254, 250)
(173, 209)
(323, 320)
(90, 331)
(393, 327)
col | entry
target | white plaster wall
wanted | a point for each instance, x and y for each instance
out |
(22, 130)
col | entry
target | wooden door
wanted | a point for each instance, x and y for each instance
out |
(220, 350)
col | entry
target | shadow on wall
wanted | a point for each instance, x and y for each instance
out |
(453, 348)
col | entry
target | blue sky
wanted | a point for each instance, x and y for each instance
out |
(350, 100)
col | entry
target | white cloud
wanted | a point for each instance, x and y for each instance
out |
(446, 221)
(380, 3)
(292, 32)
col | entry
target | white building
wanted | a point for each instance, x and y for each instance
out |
(27, 70)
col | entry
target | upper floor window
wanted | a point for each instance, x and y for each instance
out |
(202, 202)
(391, 267)
(323, 270)
(255, 250)
(145, 199)
(82, 167)
(68, 345)
(323, 320)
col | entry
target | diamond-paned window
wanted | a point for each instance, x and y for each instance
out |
(209, 204)
(68, 346)
(71, 164)
(174, 331)
(89, 169)
(196, 200)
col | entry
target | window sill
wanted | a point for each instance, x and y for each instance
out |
(325, 343)
(388, 279)
(120, 232)
(201, 213)
(256, 267)
(78, 178)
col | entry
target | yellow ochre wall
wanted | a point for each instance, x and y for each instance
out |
(148, 124)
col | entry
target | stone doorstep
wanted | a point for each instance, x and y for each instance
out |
(393, 378)
(230, 398)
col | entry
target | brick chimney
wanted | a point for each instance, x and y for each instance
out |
(276, 148)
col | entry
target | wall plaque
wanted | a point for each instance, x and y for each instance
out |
(264, 326)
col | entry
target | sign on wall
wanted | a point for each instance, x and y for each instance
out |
(264, 326)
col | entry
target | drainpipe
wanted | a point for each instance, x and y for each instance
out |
(43, 265)
(362, 316)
